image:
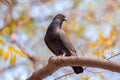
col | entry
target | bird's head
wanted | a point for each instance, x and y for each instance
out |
(57, 21)
(60, 17)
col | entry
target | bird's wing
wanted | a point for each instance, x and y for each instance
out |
(47, 43)
(67, 44)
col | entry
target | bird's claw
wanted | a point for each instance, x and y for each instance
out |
(63, 55)
(51, 58)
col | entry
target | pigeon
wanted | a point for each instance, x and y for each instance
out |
(58, 42)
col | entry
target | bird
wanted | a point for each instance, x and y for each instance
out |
(58, 42)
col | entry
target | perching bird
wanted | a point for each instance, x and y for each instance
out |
(58, 42)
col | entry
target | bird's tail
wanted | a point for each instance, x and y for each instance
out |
(78, 69)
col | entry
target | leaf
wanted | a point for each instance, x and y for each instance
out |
(80, 29)
(97, 53)
(6, 55)
(12, 49)
(114, 33)
(103, 56)
(13, 61)
(90, 17)
(102, 39)
(109, 42)
(8, 29)
(20, 53)
(1, 51)
(85, 78)
(2, 42)
(93, 45)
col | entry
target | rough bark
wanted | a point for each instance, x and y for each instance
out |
(57, 62)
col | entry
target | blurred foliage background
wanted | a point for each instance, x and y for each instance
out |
(93, 26)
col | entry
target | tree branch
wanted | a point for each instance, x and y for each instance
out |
(8, 14)
(113, 56)
(57, 62)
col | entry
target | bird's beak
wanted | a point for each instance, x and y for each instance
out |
(64, 20)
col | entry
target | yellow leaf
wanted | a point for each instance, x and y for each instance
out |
(21, 53)
(13, 61)
(97, 53)
(12, 49)
(114, 34)
(2, 42)
(90, 17)
(93, 45)
(102, 39)
(101, 75)
(103, 56)
(102, 53)
(80, 30)
(109, 42)
(1, 51)
(85, 78)
(6, 55)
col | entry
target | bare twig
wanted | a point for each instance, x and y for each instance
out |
(113, 56)
(32, 59)
(81, 51)
(9, 67)
(64, 76)
(14, 34)
(8, 14)
(73, 73)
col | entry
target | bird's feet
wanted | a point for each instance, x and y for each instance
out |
(61, 55)
(50, 58)
(64, 55)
